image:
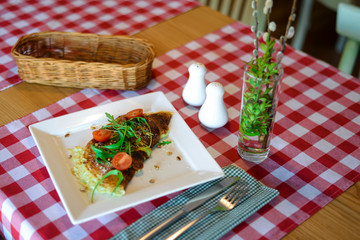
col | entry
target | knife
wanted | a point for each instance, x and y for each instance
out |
(192, 204)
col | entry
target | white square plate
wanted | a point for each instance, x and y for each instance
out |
(55, 136)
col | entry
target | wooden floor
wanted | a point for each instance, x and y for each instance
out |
(321, 37)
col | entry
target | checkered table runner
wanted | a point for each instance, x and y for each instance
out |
(110, 17)
(314, 155)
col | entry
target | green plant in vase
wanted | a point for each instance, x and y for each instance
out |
(261, 84)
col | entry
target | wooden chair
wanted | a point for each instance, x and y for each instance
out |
(348, 25)
(237, 9)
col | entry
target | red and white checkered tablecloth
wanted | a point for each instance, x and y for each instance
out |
(110, 17)
(314, 155)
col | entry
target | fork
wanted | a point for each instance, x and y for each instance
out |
(226, 203)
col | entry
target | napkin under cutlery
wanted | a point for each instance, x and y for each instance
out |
(213, 226)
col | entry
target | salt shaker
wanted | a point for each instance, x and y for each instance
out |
(194, 92)
(213, 113)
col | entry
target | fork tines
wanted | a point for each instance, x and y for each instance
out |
(237, 192)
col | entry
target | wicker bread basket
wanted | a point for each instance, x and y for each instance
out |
(84, 60)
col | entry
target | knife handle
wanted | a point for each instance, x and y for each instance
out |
(186, 227)
(163, 225)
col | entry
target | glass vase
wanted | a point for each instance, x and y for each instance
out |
(257, 114)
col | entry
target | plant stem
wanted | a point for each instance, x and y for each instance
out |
(256, 31)
(290, 19)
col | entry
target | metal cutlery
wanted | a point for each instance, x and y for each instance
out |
(226, 203)
(192, 204)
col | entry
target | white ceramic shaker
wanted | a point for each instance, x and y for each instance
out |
(213, 113)
(194, 92)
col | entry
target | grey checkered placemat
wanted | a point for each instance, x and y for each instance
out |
(211, 227)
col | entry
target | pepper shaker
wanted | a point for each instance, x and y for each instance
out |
(213, 113)
(194, 92)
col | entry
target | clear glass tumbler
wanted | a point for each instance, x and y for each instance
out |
(257, 115)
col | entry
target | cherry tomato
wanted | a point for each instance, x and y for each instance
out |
(134, 113)
(101, 135)
(122, 161)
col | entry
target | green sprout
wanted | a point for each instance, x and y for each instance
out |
(263, 75)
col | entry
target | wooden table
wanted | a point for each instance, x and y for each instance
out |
(338, 220)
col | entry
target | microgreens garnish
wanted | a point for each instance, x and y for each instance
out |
(126, 135)
(115, 172)
(163, 143)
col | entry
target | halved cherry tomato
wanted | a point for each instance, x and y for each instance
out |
(101, 135)
(134, 113)
(121, 161)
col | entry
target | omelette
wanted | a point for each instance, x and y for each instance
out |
(118, 150)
